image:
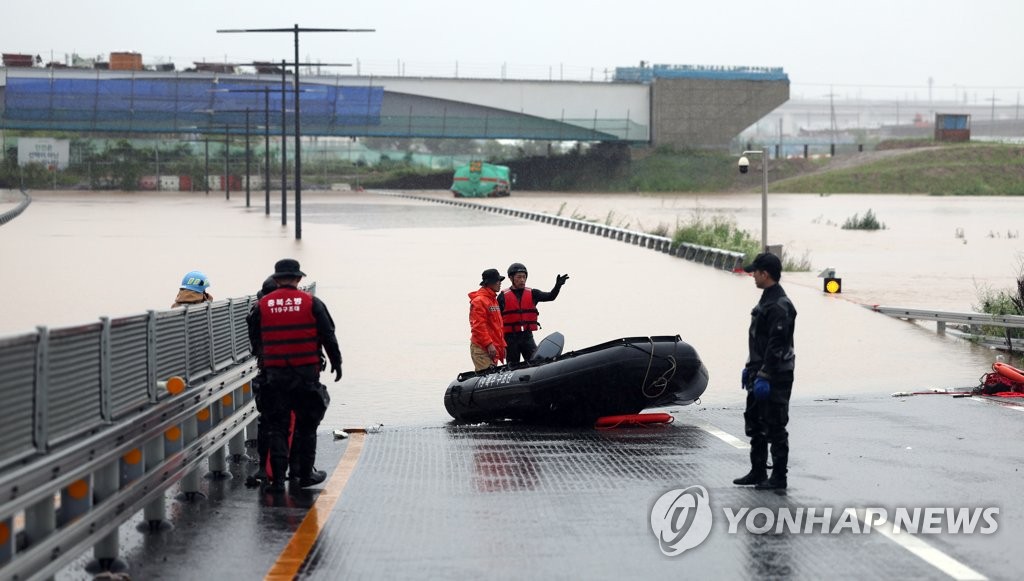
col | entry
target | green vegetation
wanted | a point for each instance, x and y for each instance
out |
(960, 170)
(866, 222)
(717, 232)
(903, 166)
(1002, 302)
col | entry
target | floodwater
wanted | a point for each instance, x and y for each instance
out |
(395, 274)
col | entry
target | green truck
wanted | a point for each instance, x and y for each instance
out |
(481, 180)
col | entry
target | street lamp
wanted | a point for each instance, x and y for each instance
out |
(744, 165)
(295, 30)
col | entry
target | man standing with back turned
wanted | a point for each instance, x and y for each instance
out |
(289, 329)
(768, 376)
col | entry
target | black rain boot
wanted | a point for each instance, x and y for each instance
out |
(755, 476)
(776, 482)
(315, 477)
(780, 460)
(758, 463)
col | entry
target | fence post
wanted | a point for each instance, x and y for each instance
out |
(105, 485)
(154, 514)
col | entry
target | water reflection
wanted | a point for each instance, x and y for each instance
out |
(395, 274)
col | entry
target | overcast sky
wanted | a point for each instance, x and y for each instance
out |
(865, 47)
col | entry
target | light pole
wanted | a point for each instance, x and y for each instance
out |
(295, 30)
(744, 165)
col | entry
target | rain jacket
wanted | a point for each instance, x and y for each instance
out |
(190, 297)
(485, 321)
(770, 339)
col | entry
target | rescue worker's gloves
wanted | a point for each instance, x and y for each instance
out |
(323, 361)
(762, 388)
(560, 279)
(744, 377)
(336, 370)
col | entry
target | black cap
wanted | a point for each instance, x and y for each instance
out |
(490, 276)
(767, 262)
(287, 268)
(269, 286)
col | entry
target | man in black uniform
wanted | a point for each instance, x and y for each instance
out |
(288, 331)
(519, 312)
(768, 376)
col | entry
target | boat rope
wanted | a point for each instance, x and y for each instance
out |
(661, 381)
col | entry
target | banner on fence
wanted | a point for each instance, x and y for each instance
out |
(53, 153)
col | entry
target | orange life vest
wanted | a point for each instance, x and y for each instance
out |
(288, 328)
(519, 316)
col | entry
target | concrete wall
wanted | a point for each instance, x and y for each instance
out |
(708, 114)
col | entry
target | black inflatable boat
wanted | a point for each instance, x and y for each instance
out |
(623, 376)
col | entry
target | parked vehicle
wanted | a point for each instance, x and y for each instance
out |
(481, 180)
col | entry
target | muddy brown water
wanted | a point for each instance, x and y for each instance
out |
(395, 274)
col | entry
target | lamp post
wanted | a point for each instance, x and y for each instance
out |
(295, 30)
(744, 165)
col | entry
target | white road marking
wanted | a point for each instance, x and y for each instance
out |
(1009, 406)
(722, 435)
(925, 552)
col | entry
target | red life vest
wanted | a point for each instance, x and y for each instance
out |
(288, 328)
(519, 316)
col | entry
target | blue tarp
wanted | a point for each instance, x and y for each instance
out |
(181, 104)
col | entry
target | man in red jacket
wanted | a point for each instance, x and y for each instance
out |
(486, 340)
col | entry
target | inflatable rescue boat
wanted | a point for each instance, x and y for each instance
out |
(623, 376)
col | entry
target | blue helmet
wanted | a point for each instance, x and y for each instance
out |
(195, 281)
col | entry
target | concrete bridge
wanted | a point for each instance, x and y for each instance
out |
(679, 106)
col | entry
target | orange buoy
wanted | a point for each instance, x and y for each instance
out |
(633, 420)
(1009, 372)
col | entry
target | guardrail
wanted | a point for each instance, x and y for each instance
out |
(107, 416)
(972, 321)
(715, 257)
(17, 210)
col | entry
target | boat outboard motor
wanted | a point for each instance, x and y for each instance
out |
(549, 348)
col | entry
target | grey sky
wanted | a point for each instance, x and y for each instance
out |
(867, 47)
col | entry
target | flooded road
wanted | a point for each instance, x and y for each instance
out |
(395, 274)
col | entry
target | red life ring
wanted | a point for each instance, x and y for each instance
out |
(1009, 372)
(633, 420)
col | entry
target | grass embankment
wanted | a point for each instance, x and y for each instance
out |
(948, 170)
(909, 167)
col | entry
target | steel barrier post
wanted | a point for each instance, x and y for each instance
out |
(40, 520)
(154, 514)
(75, 500)
(190, 481)
(6, 540)
(218, 457)
(132, 466)
(105, 485)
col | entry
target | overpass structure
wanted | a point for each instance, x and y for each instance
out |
(679, 106)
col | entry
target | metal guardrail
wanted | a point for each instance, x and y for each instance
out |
(972, 321)
(715, 257)
(91, 418)
(17, 210)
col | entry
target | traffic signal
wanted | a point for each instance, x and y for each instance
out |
(833, 286)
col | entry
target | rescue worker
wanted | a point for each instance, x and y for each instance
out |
(288, 331)
(519, 312)
(192, 290)
(768, 376)
(486, 340)
(262, 475)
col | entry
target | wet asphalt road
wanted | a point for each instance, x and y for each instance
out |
(508, 501)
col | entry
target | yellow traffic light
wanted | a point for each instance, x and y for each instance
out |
(833, 285)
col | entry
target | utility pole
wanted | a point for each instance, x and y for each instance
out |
(295, 30)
